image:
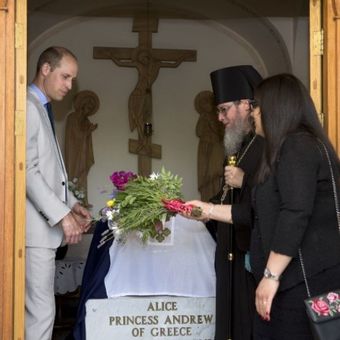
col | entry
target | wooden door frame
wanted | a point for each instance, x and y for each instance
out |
(315, 54)
(331, 70)
(13, 70)
(324, 31)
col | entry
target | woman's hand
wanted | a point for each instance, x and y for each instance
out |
(233, 176)
(205, 208)
(265, 293)
(267, 288)
(216, 212)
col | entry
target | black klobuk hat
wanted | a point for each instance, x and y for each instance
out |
(234, 83)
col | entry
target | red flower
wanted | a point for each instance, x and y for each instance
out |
(177, 206)
(320, 307)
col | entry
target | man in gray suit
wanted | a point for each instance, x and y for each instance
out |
(52, 212)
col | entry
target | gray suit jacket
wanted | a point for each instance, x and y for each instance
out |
(48, 199)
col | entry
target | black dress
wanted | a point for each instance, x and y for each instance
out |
(294, 209)
(235, 300)
(288, 318)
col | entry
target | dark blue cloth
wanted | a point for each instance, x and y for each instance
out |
(96, 268)
(48, 107)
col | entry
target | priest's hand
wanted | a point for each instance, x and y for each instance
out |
(233, 176)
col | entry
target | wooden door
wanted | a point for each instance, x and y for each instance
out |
(13, 16)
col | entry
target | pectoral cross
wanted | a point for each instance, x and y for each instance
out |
(147, 61)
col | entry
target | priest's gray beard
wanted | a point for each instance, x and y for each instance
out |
(234, 135)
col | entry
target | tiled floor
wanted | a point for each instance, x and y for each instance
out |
(66, 310)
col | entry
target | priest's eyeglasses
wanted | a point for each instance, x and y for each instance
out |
(223, 109)
(253, 104)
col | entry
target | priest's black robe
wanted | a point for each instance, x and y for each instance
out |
(235, 301)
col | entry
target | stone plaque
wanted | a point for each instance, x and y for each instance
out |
(156, 317)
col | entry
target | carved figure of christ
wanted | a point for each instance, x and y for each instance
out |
(148, 62)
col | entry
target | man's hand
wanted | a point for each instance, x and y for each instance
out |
(72, 229)
(82, 216)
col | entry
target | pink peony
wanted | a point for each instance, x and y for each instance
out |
(120, 178)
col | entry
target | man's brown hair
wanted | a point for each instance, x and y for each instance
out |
(52, 56)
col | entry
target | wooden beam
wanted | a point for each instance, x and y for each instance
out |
(7, 108)
(316, 52)
(145, 152)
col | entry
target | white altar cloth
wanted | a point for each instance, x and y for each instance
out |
(182, 265)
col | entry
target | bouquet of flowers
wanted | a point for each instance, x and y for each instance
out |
(143, 204)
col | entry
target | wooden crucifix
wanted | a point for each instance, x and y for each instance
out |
(147, 61)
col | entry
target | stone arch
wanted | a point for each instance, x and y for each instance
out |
(261, 36)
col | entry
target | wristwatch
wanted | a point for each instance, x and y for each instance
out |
(269, 275)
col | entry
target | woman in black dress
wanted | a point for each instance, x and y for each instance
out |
(292, 208)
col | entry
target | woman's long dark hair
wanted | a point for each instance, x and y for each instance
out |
(286, 107)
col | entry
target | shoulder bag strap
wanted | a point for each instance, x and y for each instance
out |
(336, 202)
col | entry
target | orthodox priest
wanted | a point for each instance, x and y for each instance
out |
(233, 89)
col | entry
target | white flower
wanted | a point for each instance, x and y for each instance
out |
(112, 225)
(139, 234)
(109, 214)
(117, 232)
(154, 176)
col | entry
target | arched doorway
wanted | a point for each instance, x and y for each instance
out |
(13, 31)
